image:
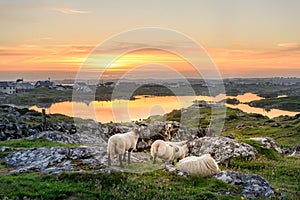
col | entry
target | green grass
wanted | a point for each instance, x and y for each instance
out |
(158, 184)
(270, 153)
(25, 143)
(283, 174)
(290, 103)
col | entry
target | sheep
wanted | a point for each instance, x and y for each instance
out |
(204, 165)
(168, 151)
(119, 143)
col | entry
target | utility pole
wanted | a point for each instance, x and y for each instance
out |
(44, 122)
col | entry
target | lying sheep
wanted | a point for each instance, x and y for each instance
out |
(118, 144)
(168, 151)
(204, 165)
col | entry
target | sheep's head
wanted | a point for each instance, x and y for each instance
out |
(137, 130)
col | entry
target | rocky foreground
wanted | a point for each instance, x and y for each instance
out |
(89, 143)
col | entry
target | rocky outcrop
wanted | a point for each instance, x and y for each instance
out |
(222, 149)
(16, 123)
(55, 136)
(253, 186)
(292, 151)
(268, 142)
(62, 159)
(169, 130)
(82, 137)
(55, 159)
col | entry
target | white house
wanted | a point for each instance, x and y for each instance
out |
(24, 87)
(7, 87)
(81, 87)
(46, 83)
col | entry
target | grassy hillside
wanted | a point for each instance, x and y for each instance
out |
(281, 172)
(290, 103)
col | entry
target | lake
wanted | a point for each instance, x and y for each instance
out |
(144, 106)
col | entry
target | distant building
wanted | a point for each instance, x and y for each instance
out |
(127, 84)
(23, 87)
(63, 88)
(79, 85)
(7, 87)
(82, 87)
(172, 85)
(109, 84)
(47, 83)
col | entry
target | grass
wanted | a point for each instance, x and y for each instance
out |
(290, 103)
(152, 182)
(25, 143)
(270, 153)
(157, 184)
(283, 174)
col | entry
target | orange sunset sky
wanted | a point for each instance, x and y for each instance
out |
(249, 38)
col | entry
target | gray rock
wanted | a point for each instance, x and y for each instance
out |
(222, 149)
(268, 142)
(55, 158)
(172, 168)
(55, 136)
(108, 170)
(84, 137)
(3, 149)
(252, 185)
(240, 125)
(292, 151)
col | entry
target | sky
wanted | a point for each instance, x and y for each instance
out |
(243, 38)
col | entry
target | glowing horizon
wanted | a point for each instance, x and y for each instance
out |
(54, 39)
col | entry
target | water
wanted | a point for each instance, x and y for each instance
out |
(145, 106)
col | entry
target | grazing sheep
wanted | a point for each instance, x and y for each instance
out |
(118, 144)
(168, 151)
(204, 165)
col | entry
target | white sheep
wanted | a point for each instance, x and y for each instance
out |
(118, 144)
(204, 165)
(168, 151)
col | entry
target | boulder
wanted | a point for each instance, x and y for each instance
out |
(292, 151)
(166, 131)
(56, 159)
(222, 149)
(253, 186)
(55, 136)
(268, 142)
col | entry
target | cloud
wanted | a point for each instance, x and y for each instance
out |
(69, 11)
(291, 45)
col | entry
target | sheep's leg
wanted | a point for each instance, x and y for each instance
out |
(120, 159)
(154, 158)
(109, 162)
(124, 157)
(129, 152)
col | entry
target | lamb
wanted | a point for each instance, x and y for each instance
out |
(204, 165)
(168, 151)
(118, 144)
